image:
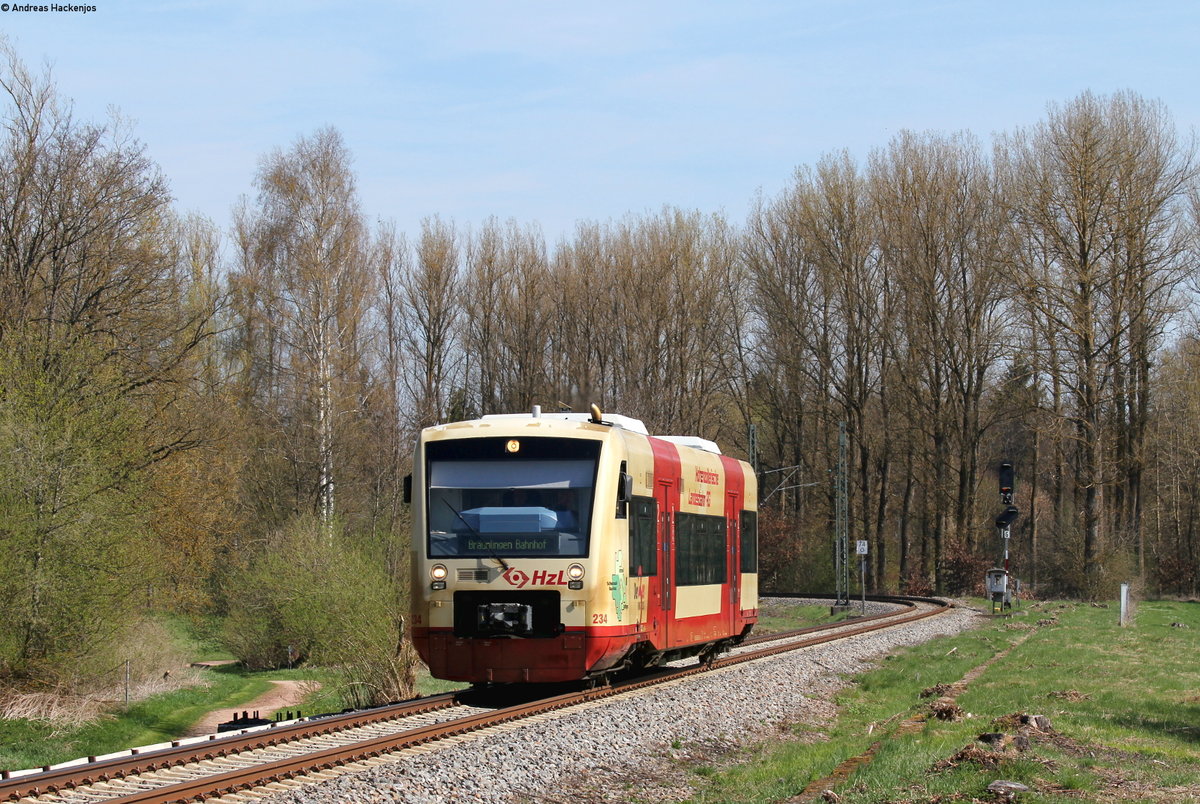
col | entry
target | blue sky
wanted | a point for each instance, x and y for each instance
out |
(551, 112)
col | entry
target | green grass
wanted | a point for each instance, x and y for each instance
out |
(775, 616)
(27, 744)
(198, 637)
(1123, 702)
(160, 718)
(428, 685)
(168, 716)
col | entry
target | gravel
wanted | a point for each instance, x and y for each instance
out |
(600, 752)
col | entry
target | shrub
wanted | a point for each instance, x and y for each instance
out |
(310, 596)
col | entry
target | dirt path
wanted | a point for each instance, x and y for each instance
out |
(285, 694)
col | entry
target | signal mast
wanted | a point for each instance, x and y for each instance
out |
(1000, 587)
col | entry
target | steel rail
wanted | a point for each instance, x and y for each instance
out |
(233, 781)
(771, 636)
(217, 746)
(844, 630)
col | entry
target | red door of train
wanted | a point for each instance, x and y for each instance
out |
(666, 560)
(733, 570)
(735, 492)
(666, 494)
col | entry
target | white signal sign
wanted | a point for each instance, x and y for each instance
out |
(861, 547)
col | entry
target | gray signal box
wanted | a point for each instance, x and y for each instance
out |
(1001, 588)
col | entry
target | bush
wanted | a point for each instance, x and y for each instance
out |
(98, 681)
(74, 560)
(963, 571)
(311, 596)
(793, 556)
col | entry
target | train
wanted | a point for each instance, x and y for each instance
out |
(563, 547)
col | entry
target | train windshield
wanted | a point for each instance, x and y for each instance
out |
(506, 497)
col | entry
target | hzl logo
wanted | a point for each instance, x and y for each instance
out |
(519, 578)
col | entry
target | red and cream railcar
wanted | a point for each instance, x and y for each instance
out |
(559, 547)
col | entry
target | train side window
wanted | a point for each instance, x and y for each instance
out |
(749, 541)
(643, 538)
(699, 549)
(718, 544)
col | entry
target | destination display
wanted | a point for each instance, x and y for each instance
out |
(470, 544)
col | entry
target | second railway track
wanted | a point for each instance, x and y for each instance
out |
(311, 750)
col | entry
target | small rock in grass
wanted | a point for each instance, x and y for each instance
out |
(1005, 790)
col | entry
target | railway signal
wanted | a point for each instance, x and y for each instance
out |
(1006, 518)
(999, 586)
(1006, 483)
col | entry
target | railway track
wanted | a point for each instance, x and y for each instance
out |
(278, 757)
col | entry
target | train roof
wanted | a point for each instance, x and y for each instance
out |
(693, 441)
(614, 419)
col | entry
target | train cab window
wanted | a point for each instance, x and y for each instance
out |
(643, 538)
(749, 546)
(495, 497)
(700, 556)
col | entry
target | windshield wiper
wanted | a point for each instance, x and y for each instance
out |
(503, 564)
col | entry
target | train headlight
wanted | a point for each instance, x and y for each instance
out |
(575, 576)
(438, 573)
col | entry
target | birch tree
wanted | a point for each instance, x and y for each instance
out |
(307, 237)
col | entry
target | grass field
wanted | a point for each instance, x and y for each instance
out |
(1123, 706)
(169, 715)
(778, 614)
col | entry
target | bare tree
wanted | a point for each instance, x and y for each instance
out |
(940, 230)
(390, 260)
(586, 325)
(485, 286)
(669, 299)
(826, 306)
(1093, 190)
(433, 303)
(526, 304)
(792, 332)
(1174, 447)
